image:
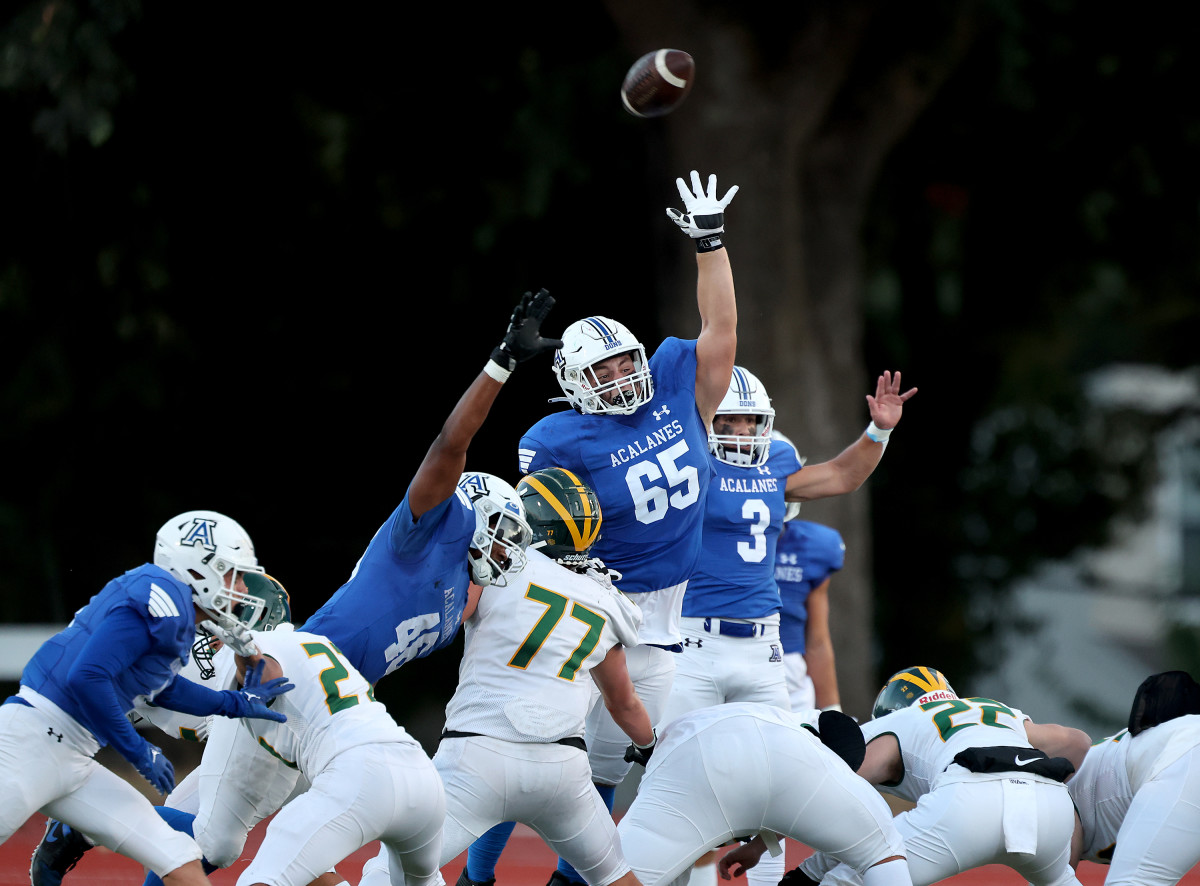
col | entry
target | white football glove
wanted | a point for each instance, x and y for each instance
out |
(705, 216)
(233, 634)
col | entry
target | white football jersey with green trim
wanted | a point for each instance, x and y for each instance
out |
(529, 648)
(930, 736)
(331, 709)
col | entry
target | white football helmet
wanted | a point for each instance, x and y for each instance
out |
(793, 507)
(499, 519)
(586, 343)
(746, 396)
(207, 551)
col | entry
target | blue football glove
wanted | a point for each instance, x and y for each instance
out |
(254, 696)
(156, 769)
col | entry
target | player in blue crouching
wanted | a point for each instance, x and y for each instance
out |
(126, 645)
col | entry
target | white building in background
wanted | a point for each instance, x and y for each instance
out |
(1087, 630)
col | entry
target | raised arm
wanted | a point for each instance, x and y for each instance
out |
(851, 467)
(446, 459)
(716, 347)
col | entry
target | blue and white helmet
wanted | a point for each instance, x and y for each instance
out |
(587, 342)
(746, 396)
(499, 520)
(208, 551)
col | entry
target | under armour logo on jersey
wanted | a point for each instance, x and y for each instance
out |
(688, 641)
(660, 414)
(775, 653)
(160, 604)
(764, 469)
(789, 559)
(57, 735)
(200, 534)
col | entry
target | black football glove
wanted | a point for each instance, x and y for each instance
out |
(636, 753)
(524, 336)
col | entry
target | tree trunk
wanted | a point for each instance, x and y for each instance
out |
(800, 111)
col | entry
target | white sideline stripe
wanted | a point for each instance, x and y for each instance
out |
(18, 643)
(161, 604)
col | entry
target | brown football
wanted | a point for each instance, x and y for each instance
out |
(658, 82)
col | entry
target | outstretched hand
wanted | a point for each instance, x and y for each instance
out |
(524, 339)
(888, 403)
(705, 215)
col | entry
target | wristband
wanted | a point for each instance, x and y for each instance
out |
(832, 707)
(710, 243)
(653, 740)
(878, 434)
(496, 371)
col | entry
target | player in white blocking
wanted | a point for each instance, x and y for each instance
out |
(745, 770)
(535, 653)
(987, 782)
(355, 776)
(1137, 793)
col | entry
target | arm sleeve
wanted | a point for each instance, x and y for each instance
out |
(92, 680)
(191, 698)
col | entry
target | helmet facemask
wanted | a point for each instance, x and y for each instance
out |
(275, 610)
(589, 342)
(499, 522)
(746, 396)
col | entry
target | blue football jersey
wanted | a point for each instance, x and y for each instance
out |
(806, 554)
(735, 577)
(406, 596)
(156, 597)
(649, 470)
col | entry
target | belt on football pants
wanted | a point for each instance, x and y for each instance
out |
(733, 628)
(571, 741)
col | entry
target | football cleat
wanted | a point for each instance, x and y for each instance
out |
(464, 880)
(60, 850)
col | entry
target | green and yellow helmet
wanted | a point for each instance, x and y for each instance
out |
(563, 513)
(911, 686)
(276, 611)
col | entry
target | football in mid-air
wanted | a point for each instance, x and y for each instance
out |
(658, 82)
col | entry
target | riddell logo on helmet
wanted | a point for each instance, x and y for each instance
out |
(936, 695)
